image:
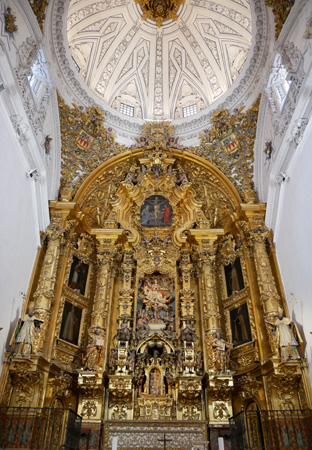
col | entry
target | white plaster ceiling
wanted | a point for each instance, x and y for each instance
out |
(159, 71)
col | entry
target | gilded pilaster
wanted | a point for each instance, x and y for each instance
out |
(90, 379)
(186, 293)
(126, 291)
(105, 255)
(45, 292)
(269, 297)
(211, 311)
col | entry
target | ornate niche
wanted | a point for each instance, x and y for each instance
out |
(240, 325)
(155, 380)
(71, 329)
(234, 277)
(78, 276)
(73, 316)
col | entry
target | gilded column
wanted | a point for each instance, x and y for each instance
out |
(207, 262)
(220, 379)
(211, 318)
(121, 388)
(44, 295)
(126, 291)
(100, 304)
(125, 307)
(269, 297)
(187, 312)
(186, 293)
(90, 379)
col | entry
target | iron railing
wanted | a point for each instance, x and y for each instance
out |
(271, 430)
(39, 428)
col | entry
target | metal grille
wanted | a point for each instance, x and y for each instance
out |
(39, 428)
(260, 429)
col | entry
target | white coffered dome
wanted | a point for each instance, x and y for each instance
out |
(159, 72)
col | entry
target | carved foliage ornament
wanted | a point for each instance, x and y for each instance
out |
(281, 9)
(25, 382)
(61, 384)
(229, 146)
(10, 24)
(85, 144)
(39, 8)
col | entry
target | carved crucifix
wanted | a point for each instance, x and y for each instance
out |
(164, 440)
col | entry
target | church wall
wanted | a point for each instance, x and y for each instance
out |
(19, 233)
(27, 116)
(294, 241)
(283, 161)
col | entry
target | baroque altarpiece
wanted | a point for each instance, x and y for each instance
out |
(156, 302)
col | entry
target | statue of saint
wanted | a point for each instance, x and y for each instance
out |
(132, 357)
(140, 381)
(123, 333)
(285, 328)
(92, 359)
(25, 333)
(170, 382)
(188, 333)
(221, 350)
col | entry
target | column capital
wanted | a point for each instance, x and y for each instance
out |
(206, 238)
(107, 236)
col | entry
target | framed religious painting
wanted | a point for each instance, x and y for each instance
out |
(156, 212)
(234, 277)
(78, 276)
(71, 322)
(240, 325)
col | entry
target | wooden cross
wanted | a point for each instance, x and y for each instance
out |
(164, 440)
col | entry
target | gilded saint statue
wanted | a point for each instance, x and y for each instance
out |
(221, 350)
(92, 358)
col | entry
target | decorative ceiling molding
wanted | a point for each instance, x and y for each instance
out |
(194, 78)
(197, 58)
